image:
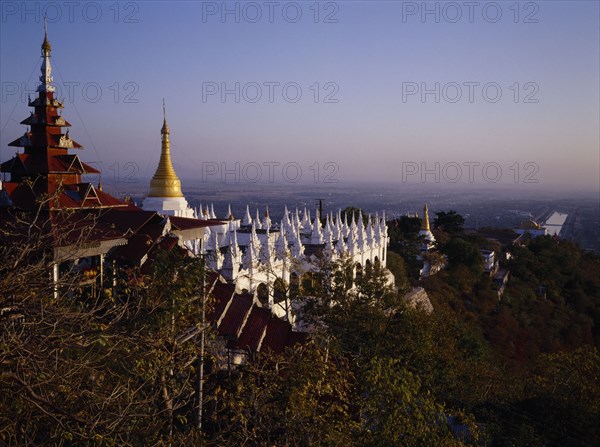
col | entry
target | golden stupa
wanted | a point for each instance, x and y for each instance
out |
(165, 182)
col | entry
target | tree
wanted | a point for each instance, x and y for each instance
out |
(352, 211)
(302, 398)
(461, 252)
(86, 368)
(450, 222)
(398, 411)
(395, 264)
(405, 228)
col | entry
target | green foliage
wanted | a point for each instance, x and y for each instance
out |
(450, 222)
(106, 371)
(398, 411)
(463, 253)
(404, 229)
(115, 371)
(302, 398)
(395, 264)
(352, 211)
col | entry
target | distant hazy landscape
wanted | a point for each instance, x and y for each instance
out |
(482, 206)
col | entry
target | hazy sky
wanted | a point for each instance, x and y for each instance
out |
(363, 90)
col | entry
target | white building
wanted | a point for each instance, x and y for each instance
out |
(263, 257)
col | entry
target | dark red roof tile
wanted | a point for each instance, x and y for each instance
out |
(236, 314)
(277, 335)
(254, 329)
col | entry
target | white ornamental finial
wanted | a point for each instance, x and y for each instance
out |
(257, 220)
(247, 218)
(46, 69)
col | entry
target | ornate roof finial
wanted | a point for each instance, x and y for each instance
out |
(165, 127)
(46, 47)
(46, 68)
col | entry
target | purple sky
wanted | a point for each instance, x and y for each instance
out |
(361, 68)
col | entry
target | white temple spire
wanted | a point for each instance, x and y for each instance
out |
(247, 218)
(257, 220)
(266, 251)
(46, 69)
(281, 245)
(267, 219)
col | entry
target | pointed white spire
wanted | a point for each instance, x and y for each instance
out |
(297, 247)
(233, 245)
(247, 218)
(216, 258)
(360, 222)
(361, 234)
(305, 223)
(285, 221)
(212, 212)
(316, 235)
(281, 245)
(267, 219)
(370, 238)
(340, 246)
(351, 242)
(377, 230)
(46, 69)
(383, 225)
(229, 213)
(353, 227)
(257, 220)
(328, 230)
(254, 238)
(329, 249)
(249, 258)
(231, 261)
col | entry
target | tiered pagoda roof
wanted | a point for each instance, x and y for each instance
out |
(45, 168)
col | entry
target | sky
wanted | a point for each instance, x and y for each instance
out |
(474, 93)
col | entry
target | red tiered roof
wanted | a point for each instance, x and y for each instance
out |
(45, 167)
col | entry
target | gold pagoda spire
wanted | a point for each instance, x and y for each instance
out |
(165, 182)
(425, 221)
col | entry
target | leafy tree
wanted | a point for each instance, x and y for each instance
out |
(461, 252)
(351, 211)
(395, 264)
(398, 411)
(404, 229)
(450, 222)
(81, 369)
(302, 398)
